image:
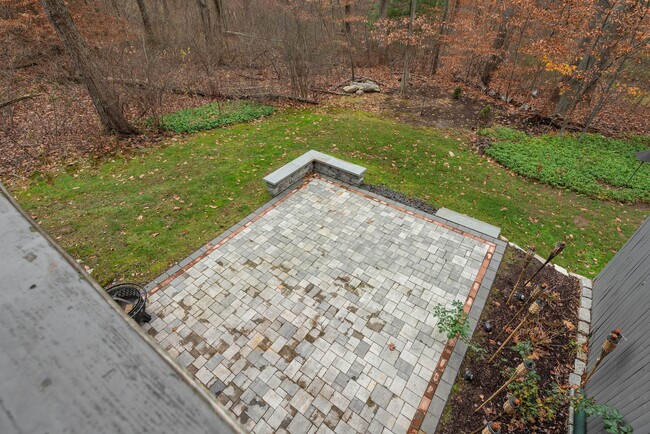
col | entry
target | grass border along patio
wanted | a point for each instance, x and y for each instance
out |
(130, 218)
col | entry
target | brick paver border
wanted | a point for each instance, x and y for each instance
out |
(423, 408)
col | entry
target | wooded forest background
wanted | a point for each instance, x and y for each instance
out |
(570, 63)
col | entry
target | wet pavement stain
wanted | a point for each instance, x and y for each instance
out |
(221, 347)
(288, 353)
(192, 338)
(374, 323)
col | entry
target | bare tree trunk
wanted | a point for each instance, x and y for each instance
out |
(220, 19)
(524, 27)
(348, 10)
(383, 8)
(348, 36)
(105, 99)
(603, 98)
(166, 17)
(146, 22)
(205, 20)
(500, 42)
(405, 70)
(577, 86)
(116, 8)
(599, 105)
(443, 27)
(11, 101)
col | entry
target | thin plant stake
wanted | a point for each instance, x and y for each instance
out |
(530, 254)
(539, 290)
(534, 309)
(521, 371)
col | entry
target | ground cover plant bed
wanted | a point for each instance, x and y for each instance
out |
(214, 115)
(595, 165)
(549, 339)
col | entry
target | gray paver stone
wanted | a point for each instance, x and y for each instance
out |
(381, 396)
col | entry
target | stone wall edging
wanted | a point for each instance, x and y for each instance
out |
(313, 161)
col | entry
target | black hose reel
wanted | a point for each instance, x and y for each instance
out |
(132, 298)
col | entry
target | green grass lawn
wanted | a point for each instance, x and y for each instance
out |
(131, 218)
(596, 165)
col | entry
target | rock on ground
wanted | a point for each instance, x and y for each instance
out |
(367, 86)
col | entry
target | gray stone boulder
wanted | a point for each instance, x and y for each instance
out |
(365, 86)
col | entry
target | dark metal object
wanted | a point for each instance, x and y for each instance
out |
(468, 375)
(132, 298)
(520, 296)
(643, 157)
(487, 326)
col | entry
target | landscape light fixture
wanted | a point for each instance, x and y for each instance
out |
(643, 157)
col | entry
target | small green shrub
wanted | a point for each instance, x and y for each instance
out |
(457, 92)
(536, 405)
(452, 321)
(212, 116)
(523, 348)
(612, 417)
(485, 113)
(485, 117)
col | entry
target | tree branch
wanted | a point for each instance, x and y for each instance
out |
(211, 94)
(11, 101)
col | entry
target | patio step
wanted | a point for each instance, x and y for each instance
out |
(469, 222)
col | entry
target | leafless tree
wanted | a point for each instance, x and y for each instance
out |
(146, 22)
(104, 98)
(407, 48)
(499, 45)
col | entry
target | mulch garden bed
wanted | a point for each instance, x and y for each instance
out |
(553, 336)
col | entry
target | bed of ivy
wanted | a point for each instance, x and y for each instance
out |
(213, 115)
(594, 165)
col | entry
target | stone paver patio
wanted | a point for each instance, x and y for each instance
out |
(315, 316)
